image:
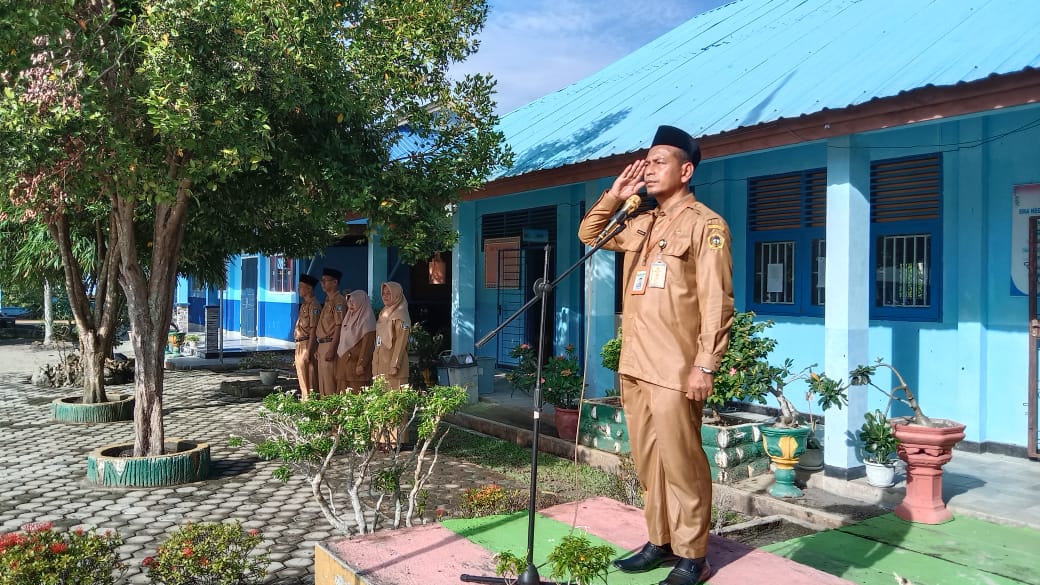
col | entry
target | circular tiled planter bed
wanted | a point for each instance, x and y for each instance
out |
(72, 409)
(184, 462)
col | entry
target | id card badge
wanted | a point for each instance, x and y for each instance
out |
(639, 283)
(658, 272)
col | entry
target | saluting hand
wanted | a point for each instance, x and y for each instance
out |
(699, 385)
(630, 181)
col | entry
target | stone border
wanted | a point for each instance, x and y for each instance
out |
(69, 409)
(185, 462)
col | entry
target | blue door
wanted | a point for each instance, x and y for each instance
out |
(249, 286)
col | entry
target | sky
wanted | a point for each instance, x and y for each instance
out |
(535, 47)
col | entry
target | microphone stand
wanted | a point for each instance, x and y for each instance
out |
(542, 287)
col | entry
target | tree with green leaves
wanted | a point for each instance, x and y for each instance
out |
(187, 131)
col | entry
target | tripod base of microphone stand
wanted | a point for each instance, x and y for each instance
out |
(529, 577)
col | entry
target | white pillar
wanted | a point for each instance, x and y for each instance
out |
(847, 308)
(464, 261)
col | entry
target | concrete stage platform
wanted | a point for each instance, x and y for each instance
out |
(438, 554)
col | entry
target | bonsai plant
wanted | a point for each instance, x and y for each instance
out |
(879, 446)
(745, 374)
(925, 444)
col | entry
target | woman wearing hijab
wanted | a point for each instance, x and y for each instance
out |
(391, 355)
(357, 340)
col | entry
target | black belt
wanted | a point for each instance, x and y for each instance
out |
(299, 339)
(324, 339)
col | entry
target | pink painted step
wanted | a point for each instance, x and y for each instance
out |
(433, 555)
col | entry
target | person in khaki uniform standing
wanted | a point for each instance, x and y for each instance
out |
(676, 317)
(357, 341)
(328, 331)
(391, 356)
(303, 334)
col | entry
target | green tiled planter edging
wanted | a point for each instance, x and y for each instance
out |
(752, 468)
(70, 409)
(184, 462)
(725, 458)
(603, 425)
(731, 435)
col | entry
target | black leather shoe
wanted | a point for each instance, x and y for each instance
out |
(648, 558)
(689, 572)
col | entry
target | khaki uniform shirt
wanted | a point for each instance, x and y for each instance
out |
(331, 317)
(307, 320)
(682, 263)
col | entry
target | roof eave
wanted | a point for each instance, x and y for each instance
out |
(919, 105)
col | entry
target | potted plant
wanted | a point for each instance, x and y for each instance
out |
(879, 446)
(925, 444)
(562, 385)
(426, 348)
(191, 344)
(745, 374)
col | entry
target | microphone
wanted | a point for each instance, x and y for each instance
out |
(627, 209)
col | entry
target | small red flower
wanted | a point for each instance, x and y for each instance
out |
(254, 532)
(59, 547)
(148, 561)
(204, 562)
(186, 551)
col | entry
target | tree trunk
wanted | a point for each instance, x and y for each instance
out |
(149, 296)
(48, 313)
(92, 358)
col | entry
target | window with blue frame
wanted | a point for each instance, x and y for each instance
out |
(906, 229)
(787, 222)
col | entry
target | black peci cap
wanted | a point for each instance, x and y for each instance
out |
(308, 279)
(672, 136)
(332, 272)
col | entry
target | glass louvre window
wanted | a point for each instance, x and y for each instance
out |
(283, 274)
(902, 271)
(906, 230)
(774, 272)
(787, 217)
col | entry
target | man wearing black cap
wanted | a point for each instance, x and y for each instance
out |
(676, 317)
(328, 331)
(306, 322)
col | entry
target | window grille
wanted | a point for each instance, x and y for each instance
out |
(902, 271)
(774, 272)
(283, 274)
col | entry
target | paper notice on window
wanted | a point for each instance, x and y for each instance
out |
(1026, 203)
(775, 278)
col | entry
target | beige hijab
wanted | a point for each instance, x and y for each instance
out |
(395, 310)
(358, 321)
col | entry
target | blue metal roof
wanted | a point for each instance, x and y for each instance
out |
(755, 61)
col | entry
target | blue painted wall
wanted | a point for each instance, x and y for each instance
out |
(970, 365)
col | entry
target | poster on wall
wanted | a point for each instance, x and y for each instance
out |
(1026, 204)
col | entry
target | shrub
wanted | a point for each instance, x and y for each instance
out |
(39, 555)
(210, 554)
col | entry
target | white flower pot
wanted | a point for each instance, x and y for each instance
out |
(881, 474)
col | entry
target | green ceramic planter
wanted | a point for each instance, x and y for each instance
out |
(784, 446)
(184, 462)
(72, 409)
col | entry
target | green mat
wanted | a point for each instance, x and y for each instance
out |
(963, 551)
(509, 533)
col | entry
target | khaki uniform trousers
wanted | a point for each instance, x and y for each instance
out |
(665, 435)
(326, 370)
(306, 371)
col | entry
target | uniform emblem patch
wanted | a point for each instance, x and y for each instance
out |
(716, 240)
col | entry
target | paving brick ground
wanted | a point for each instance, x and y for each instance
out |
(44, 466)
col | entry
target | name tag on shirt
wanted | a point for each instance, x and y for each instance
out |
(639, 283)
(658, 271)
